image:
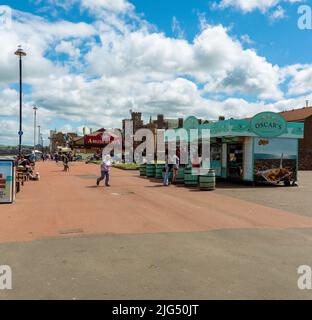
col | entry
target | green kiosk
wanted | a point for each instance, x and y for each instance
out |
(262, 149)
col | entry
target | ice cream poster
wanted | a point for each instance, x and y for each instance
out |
(6, 180)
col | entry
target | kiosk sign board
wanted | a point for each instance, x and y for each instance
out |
(268, 125)
(7, 181)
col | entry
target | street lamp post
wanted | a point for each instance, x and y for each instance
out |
(35, 108)
(20, 53)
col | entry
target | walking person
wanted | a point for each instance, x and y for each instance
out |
(65, 163)
(167, 172)
(175, 168)
(105, 171)
(172, 164)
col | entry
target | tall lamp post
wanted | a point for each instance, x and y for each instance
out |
(35, 108)
(20, 53)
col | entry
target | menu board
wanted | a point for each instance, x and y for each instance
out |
(6, 181)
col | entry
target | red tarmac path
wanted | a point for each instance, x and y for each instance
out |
(66, 204)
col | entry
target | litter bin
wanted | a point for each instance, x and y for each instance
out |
(7, 180)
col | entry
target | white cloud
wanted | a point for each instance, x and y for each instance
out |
(68, 48)
(250, 5)
(119, 6)
(300, 78)
(176, 28)
(229, 68)
(245, 38)
(277, 14)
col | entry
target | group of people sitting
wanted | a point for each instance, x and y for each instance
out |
(27, 166)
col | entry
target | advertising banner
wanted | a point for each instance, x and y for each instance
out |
(275, 160)
(6, 181)
(94, 139)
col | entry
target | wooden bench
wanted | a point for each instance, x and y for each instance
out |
(21, 174)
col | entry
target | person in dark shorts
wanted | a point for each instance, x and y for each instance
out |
(65, 163)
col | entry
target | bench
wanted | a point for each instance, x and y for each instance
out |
(22, 174)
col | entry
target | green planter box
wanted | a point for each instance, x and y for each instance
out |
(190, 180)
(207, 181)
(143, 170)
(150, 170)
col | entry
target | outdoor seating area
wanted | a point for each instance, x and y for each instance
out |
(25, 171)
(15, 172)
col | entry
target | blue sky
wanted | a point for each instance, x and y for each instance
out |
(90, 61)
(271, 38)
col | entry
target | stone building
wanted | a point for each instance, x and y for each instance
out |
(305, 145)
(159, 123)
(60, 140)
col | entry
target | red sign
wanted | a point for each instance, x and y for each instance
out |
(100, 139)
(94, 139)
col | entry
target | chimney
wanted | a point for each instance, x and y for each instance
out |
(307, 103)
(160, 117)
(221, 118)
(180, 121)
(160, 121)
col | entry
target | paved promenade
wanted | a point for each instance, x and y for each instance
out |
(69, 203)
(66, 238)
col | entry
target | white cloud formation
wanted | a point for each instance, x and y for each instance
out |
(277, 14)
(250, 5)
(110, 5)
(300, 78)
(67, 47)
(176, 28)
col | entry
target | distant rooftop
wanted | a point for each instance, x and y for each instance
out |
(297, 114)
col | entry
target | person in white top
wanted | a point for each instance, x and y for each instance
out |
(105, 171)
(172, 163)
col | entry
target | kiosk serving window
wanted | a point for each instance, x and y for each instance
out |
(216, 158)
